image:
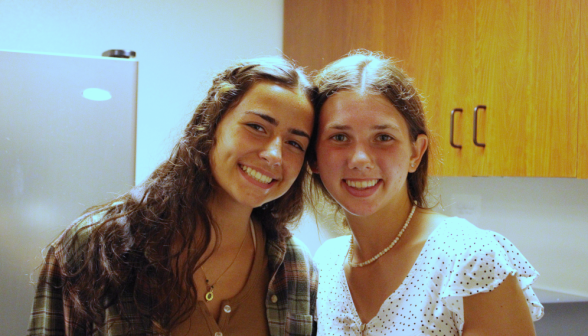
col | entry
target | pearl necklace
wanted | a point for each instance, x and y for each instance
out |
(377, 256)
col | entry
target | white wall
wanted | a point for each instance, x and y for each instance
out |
(180, 44)
(545, 218)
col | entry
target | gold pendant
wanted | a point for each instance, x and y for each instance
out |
(209, 295)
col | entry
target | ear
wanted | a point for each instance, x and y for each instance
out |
(419, 147)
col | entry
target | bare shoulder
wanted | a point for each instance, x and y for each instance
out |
(502, 311)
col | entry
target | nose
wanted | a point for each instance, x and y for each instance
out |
(360, 158)
(272, 153)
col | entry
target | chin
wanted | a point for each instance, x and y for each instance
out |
(255, 202)
(359, 211)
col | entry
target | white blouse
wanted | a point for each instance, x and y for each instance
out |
(457, 260)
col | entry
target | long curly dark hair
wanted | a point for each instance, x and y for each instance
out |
(366, 71)
(148, 242)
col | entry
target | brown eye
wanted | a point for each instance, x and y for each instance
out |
(384, 138)
(296, 144)
(256, 127)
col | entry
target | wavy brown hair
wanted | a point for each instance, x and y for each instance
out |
(133, 246)
(368, 72)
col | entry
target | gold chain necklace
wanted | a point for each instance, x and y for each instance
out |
(377, 256)
(210, 287)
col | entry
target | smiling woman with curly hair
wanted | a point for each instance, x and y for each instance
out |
(201, 247)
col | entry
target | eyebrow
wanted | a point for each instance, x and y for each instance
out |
(376, 127)
(265, 117)
(338, 127)
(386, 126)
(299, 132)
(274, 122)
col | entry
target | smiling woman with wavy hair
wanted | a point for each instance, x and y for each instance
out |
(201, 246)
(405, 269)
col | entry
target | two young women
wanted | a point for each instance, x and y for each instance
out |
(202, 248)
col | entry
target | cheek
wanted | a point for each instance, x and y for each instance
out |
(213, 158)
(398, 170)
(227, 146)
(324, 159)
(328, 171)
(218, 153)
(292, 166)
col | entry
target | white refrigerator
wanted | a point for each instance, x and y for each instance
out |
(67, 142)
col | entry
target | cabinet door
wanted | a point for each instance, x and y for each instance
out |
(317, 32)
(583, 108)
(526, 73)
(435, 40)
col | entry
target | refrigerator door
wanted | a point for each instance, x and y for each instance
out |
(60, 153)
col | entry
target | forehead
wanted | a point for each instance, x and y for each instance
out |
(359, 109)
(286, 106)
(266, 91)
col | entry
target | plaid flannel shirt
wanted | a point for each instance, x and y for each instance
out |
(290, 300)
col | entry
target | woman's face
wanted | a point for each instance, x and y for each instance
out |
(364, 152)
(260, 145)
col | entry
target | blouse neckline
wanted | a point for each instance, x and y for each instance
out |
(395, 293)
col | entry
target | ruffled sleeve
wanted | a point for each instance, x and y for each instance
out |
(486, 259)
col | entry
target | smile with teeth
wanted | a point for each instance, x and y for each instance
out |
(256, 175)
(361, 184)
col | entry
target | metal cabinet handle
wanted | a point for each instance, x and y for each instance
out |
(451, 127)
(476, 126)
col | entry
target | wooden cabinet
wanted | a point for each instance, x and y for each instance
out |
(519, 59)
(526, 72)
(583, 103)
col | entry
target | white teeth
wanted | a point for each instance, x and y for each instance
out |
(257, 175)
(361, 184)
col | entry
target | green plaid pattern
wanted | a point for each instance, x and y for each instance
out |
(290, 300)
(294, 284)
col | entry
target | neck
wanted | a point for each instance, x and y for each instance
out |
(233, 222)
(373, 233)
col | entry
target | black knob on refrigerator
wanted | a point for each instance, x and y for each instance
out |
(119, 53)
